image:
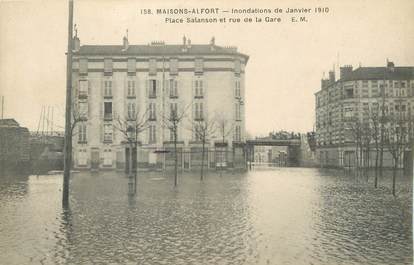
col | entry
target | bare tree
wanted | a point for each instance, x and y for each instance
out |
(224, 127)
(173, 123)
(356, 127)
(397, 138)
(204, 131)
(375, 134)
(130, 126)
(366, 140)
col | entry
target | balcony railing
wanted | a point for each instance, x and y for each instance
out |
(108, 116)
(83, 95)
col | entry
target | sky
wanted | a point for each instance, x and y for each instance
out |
(287, 60)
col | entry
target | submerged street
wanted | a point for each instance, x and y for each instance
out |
(276, 216)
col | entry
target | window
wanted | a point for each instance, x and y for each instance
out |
(82, 133)
(365, 83)
(83, 110)
(131, 88)
(83, 66)
(397, 84)
(107, 110)
(152, 111)
(131, 65)
(349, 93)
(348, 112)
(237, 89)
(108, 66)
(152, 134)
(198, 111)
(152, 88)
(173, 66)
(198, 64)
(173, 88)
(108, 88)
(108, 133)
(83, 88)
(374, 83)
(198, 90)
(153, 66)
(238, 112)
(198, 132)
(131, 111)
(173, 110)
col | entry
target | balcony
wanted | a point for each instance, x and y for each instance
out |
(108, 116)
(83, 95)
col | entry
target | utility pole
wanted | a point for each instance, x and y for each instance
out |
(68, 125)
(2, 107)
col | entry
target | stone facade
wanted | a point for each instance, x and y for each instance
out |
(114, 83)
(356, 98)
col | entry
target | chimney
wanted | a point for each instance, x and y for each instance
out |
(331, 77)
(76, 44)
(324, 83)
(189, 44)
(184, 41)
(345, 72)
(76, 41)
(125, 42)
(212, 43)
(390, 66)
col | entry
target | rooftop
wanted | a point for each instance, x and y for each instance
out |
(380, 73)
(9, 123)
(158, 49)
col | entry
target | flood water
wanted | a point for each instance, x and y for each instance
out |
(278, 216)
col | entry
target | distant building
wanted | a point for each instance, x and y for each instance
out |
(14, 146)
(118, 81)
(346, 110)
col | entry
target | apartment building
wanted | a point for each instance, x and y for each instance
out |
(114, 84)
(359, 97)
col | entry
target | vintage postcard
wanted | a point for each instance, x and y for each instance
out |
(206, 132)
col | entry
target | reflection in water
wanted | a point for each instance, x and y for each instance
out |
(282, 216)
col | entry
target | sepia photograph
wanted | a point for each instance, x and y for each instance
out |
(206, 132)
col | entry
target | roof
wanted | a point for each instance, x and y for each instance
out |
(380, 73)
(158, 49)
(9, 123)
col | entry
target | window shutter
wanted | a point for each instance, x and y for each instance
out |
(147, 85)
(101, 133)
(168, 88)
(158, 88)
(193, 89)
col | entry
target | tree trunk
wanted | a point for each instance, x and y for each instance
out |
(376, 169)
(394, 175)
(175, 158)
(202, 161)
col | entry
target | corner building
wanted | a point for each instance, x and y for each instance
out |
(353, 97)
(113, 82)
